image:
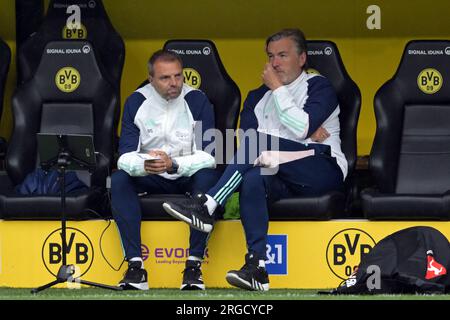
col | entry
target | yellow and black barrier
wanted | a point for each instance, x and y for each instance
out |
(299, 254)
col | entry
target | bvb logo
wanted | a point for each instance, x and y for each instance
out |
(312, 71)
(74, 33)
(346, 249)
(429, 81)
(192, 77)
(67, 79)
(80, 251)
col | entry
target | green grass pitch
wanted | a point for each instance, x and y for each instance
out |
(209, 294)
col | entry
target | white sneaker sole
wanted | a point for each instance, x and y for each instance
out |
(192, 287)
(206, 227)
(134, 286)
(235, 281)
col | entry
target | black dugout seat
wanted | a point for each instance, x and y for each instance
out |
(204, 70)
(324, 58)
(68, 94)
(95, 28)
(410, 156)
(5, 59)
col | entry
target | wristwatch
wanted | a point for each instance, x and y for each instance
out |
(174, 168)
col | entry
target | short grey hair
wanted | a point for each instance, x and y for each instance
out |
(164, 55)
(295, 34)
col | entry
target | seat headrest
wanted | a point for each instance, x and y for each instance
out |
(68, 70)
(89, 8)
(95, 28)
(324, 58)
(424, 71)
(203, 67)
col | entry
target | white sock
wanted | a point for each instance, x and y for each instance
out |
(211, 204)
(138, 259)
(194, 258)
(262, 264)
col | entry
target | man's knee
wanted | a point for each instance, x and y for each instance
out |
(253, 174)
(119, 180)
(206, 172)
(252, 180)
(205, 179)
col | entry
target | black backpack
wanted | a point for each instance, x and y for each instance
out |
(412, 260)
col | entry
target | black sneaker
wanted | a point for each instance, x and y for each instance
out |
(192, 276)
(251, 276)
(191, 210)
(135, 277)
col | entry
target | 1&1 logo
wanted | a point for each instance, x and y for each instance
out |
(276, 254)
(79, 251)
(345, 250)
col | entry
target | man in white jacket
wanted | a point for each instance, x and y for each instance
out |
(301, 110)
(158, 154)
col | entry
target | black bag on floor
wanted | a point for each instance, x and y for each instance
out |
(413, 260)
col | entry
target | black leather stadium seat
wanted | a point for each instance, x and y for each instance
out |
(410, 156)
(202, 67)
(324, 58)
(96, 28)
(5, 59)
(57, 100)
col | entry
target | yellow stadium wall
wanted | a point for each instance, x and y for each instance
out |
(306, 255)
(239, 29)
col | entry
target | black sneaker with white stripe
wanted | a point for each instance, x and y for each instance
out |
(192, 276)
(191, 210)
(251, 276)
(135, 277)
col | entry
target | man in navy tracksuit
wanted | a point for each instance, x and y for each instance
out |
(295, 115)
(158, 154)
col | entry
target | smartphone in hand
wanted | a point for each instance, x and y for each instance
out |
(146, 156)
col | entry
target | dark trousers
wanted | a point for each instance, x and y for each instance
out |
(127, 210)
(310, 176)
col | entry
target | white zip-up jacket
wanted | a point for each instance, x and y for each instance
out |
(295, 111)
(150, 122)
